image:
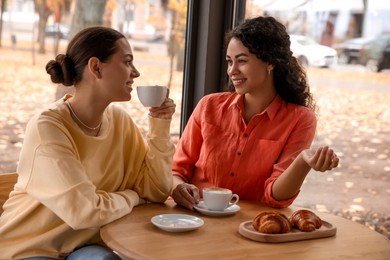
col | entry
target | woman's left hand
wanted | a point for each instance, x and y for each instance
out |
(322, 159)
(165, 111)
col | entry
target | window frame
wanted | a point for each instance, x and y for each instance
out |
(204, 54)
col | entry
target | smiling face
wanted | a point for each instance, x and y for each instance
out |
(248, 73)
(118, 73)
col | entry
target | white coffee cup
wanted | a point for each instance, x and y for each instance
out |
(218, 198)
(152, 96)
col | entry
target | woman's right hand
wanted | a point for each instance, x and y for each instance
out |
(186, 195)
(166, 110)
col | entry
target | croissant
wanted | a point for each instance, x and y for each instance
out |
(305, 220)
(271, 222)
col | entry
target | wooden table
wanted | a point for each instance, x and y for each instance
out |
(135, 237)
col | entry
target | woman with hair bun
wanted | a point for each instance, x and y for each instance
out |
(84, 162)
(255, 139)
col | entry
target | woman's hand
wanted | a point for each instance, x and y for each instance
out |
(165, 111)
(321, 159)
(186, 195)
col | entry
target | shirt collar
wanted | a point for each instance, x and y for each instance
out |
(271, 110)
(237, 101)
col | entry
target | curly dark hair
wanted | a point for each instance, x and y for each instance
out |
(99, 42)
(269, 41)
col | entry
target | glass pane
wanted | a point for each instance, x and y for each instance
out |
(352, 98)
(156, 31)
(154, 28)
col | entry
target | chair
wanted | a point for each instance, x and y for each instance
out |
(7, 182)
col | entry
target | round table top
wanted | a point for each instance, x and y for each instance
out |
(135, 237)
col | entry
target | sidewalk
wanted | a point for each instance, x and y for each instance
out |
(354, 120)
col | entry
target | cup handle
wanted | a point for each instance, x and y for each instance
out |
(235, 197)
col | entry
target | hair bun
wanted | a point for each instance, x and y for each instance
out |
(61, 70)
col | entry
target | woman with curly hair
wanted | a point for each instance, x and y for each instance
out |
(254, 139)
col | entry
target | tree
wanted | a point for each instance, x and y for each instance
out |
(365, 10)
(177, 35)
(2, 8)
(87, 13)
(57, 7)
(44, 12)
(45, 8)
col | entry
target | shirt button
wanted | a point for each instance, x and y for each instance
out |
(232, 174)
(238, 153)
(245, 135)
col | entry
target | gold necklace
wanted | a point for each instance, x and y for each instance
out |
(78, 119)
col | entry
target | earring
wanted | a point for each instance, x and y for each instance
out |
(269, 70)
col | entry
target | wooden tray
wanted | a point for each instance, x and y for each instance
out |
(326, 230)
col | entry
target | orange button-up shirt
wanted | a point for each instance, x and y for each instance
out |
(218, 148)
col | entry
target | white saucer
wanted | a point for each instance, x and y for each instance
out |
(201, 207)
(177, 222)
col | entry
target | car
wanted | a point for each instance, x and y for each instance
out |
(375, 54)
(147, 33)
(350, 50)
(310, 53)
(62, 29)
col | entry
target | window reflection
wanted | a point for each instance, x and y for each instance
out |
(156, 32)
(154, 28)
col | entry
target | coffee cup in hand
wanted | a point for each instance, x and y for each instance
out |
(152, 96)
(218, 198)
